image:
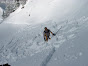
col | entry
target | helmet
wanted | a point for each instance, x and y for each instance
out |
(45, 28)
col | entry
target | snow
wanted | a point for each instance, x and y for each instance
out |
(1, 12)
(21, 35)
(47, 9)
(73, 52)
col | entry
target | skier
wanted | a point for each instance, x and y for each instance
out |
(6, 64)
(17, 0)
(46, 34)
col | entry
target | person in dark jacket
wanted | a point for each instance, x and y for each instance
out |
(6, 64)
(46, 34)
(17, 0)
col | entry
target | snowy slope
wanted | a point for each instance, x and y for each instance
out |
(21, 39)
(69, 40)
(73, 52)
(1, 12)
(44, 10)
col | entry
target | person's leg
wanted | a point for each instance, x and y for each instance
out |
(46, 38)
(49, 36)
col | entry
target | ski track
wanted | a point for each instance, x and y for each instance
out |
(29, 40)
(47, 59)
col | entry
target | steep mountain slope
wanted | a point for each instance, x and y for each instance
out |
(21, 34)
(69, 40)
(49, 9)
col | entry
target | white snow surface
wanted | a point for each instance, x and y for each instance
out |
(41, 11)
(21, 34)
(1, 12)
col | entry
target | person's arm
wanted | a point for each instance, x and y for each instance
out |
(52, 33)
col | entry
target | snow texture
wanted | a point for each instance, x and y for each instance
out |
(21, 35)
(1, 12)
(47, 59)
